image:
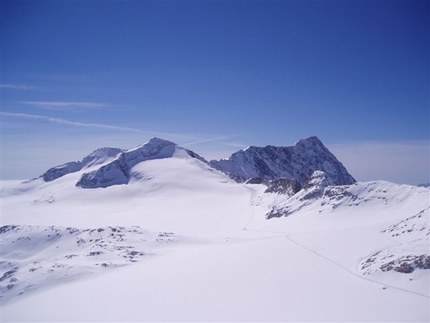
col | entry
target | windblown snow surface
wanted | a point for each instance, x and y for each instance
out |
(184, 242)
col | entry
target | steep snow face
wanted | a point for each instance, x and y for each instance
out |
(119, 170)
(295, 162)
(97, 157)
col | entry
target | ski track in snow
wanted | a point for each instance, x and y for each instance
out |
(337, 264)
(288, 237)
(253, 193)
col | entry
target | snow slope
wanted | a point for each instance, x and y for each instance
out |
(182, 241)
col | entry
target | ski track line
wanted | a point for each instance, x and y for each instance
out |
(288, 237)
(251, 198)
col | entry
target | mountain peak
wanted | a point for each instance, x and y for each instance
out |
(155, 141)
(294, 162)
(310, 140)
(119, 171)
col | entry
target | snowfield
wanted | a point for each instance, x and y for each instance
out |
(177, 240)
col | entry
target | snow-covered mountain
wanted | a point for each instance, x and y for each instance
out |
(295, 162)
(119, 171)
(162, 235)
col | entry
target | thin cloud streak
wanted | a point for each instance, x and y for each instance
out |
(167, 135)
(61, 105)
(68, 122)
(16, 87)
(202, 141)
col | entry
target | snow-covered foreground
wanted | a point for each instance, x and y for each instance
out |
(183, 242)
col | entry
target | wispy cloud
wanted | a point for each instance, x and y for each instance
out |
(167, 135)
(224, 140)
(68, 122)
(206, 140)
(66, 105)
(16, 87)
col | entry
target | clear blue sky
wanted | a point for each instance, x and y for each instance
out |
(215, 76)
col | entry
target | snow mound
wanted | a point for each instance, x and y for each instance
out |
(295, 162)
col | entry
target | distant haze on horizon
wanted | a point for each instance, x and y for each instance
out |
(364, 161)
(216, 77)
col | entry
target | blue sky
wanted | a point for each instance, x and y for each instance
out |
(217, 76)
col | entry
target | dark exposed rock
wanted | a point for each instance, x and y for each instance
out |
(7, 228)
(407, 264)
(283, 186)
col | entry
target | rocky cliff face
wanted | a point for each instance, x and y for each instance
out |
(294, 162)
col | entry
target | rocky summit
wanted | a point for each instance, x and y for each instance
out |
(295, 162)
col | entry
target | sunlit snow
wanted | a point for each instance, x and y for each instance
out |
(182, 241)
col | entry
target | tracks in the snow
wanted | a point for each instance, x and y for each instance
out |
(289, 238)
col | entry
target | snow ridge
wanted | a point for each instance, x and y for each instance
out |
(295, 162)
